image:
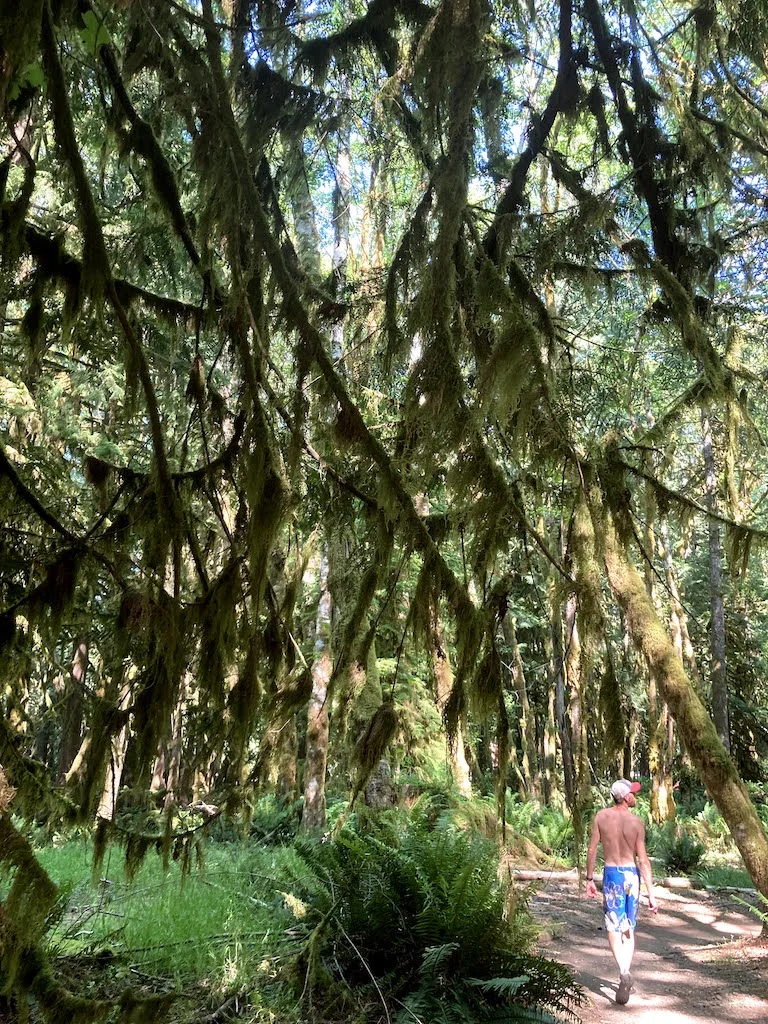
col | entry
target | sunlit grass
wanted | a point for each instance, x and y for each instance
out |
(218, 927)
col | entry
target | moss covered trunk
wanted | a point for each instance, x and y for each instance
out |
(313, 814)
(658, 713)
(710, 758)
(528, 760)
(71, 709)
(443, 675)
(114, 773)
(717, 608)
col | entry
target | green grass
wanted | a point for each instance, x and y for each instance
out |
(724, 876)
(218, 931)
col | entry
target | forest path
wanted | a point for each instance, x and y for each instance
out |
(698, 961)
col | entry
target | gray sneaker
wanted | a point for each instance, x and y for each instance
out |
(625, 987)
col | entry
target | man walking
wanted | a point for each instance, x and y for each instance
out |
(622, 835)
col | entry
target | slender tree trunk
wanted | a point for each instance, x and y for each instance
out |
(175, 747)
(114, 774)
(710, 758)
(443, 675)
(307, 236)
(717, 609)
(678, 618)
(556, 631)
(286, 779)
(158, 783)
(313, 814)
(659, 756)
(552, 795)
(528, 762)
(629, 656)
(71, 707)
(576, 707)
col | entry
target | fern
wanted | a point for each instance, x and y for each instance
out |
(435, 958)
(418, 919)
(498, 986)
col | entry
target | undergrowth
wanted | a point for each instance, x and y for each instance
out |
(678, 849)
(414, 924)
(217, 933)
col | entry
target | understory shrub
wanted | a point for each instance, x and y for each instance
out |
(680, 852)
(414, 924)
(724, 876)
(547, 828)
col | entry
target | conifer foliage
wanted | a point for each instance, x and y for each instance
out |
(436, 291)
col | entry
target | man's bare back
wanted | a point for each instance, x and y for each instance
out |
(622, 836)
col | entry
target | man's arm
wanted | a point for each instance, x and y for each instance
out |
(592, 857)
(644, 865)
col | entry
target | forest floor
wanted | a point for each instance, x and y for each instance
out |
(700, 960)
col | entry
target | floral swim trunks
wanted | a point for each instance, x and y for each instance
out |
(621, 893)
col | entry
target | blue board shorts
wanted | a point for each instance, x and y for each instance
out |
(621, 895)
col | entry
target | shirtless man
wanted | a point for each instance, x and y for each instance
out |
(623, 837)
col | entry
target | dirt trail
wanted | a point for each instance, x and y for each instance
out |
(699, 961)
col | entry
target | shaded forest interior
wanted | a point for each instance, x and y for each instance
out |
(382, 433)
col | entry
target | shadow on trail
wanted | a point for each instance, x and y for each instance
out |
(677, 980)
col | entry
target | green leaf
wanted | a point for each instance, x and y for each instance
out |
(32, 75)
(94, 34)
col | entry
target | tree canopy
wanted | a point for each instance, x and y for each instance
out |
(436, 296)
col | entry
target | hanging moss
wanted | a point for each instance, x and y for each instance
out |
(164, 655)
(375, 29)
(487, 685)
(409, 255)
(273, 102)
(244, 702)
(612, 710)
(292, 696)
(52, 599)
(19, 35)
(373, 744)
(96, 268)
(218, 622)
(107, 721)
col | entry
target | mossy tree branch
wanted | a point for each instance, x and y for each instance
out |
(715, 767)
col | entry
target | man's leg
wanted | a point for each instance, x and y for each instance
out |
(623, 948)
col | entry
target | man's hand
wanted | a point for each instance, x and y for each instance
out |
(653, 906)
(591, 888)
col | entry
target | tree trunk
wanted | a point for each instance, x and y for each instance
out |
(313, 814)
(175, 746)
(528, 763)
(552, 795)
(305, 224)
(286, 781)
(118, 749)
(576, 708)
(659, 756)
(71, 710)
(157, 783)
(717, 610)
(556, 632)
(443, 675)
(678, 619)
(710, 758)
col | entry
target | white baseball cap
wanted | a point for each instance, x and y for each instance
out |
(621, 789)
